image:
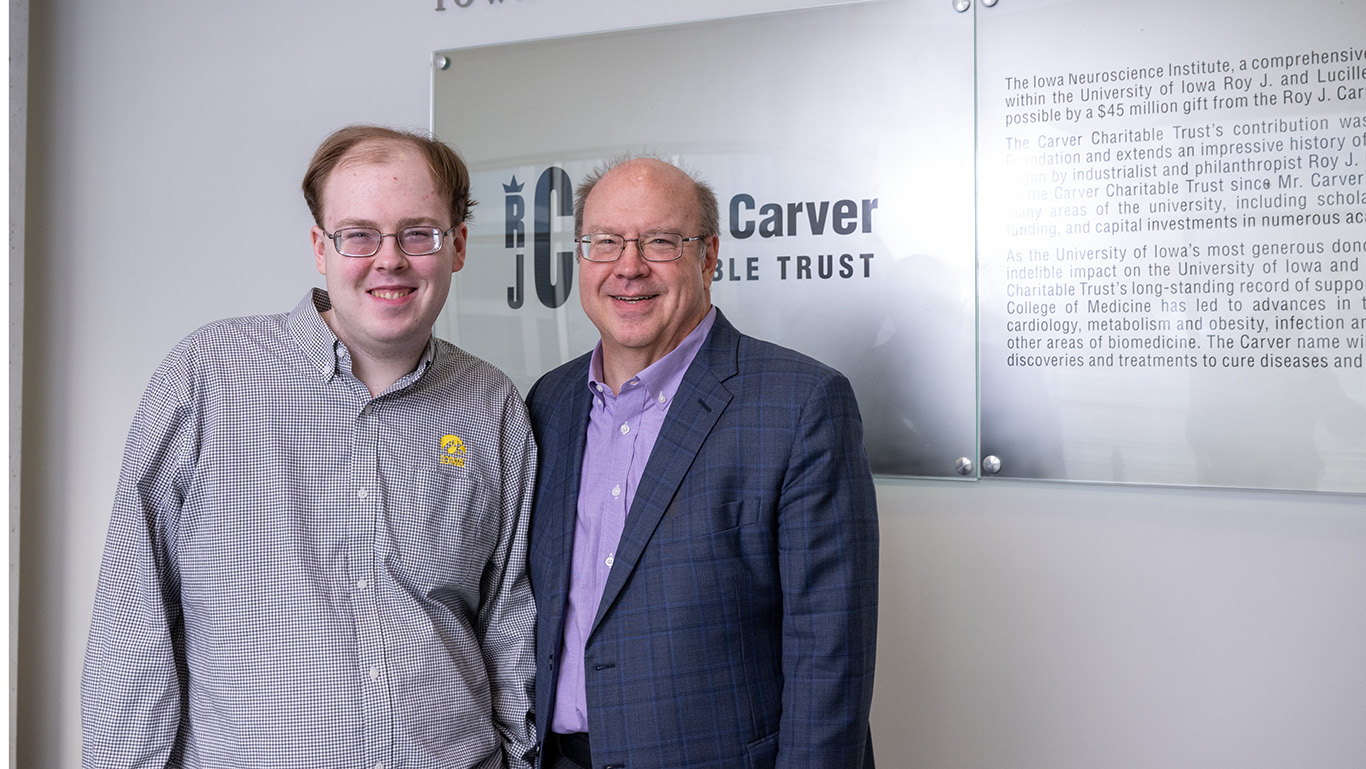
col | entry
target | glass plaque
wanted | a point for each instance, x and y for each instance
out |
(839, 142)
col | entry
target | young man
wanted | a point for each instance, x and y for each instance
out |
(317, 551)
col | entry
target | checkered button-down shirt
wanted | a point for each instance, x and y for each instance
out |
(300, 575)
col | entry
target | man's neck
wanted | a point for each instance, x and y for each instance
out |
(621, 364)
(377, 373)
(617, 371)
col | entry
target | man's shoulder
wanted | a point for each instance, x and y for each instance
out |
(726, 343)
(551, 397)
(756, 357)
(561, 380)
(459, 369)
(231, 337)
(758, 353)
(231, 356)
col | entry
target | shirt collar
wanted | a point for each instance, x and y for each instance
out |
(661, 378)
(310, 331)
(324, 350)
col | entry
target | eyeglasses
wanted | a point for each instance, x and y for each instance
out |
(365, 241)
(654, 246)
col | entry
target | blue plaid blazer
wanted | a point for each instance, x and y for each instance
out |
(738, 625)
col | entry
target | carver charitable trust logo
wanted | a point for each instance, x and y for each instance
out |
(455, 451)
(552, 202)
(816, 239)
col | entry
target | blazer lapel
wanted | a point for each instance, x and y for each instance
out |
(700, 399)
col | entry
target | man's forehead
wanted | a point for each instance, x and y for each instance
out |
(648, 171)
(376, 151)
(351, 177)
(645, 178)
(382, 153)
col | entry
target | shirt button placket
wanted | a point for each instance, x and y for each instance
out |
(365, 518)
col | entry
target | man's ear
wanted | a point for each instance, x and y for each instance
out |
(459, 240)
(709, 259)
(319, 248)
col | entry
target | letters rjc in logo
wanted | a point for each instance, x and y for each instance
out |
(554, 196)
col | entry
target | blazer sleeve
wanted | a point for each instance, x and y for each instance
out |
(828, 566)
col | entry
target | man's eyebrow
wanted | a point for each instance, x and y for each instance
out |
(411, 221)
(660, 230)
(355, 222)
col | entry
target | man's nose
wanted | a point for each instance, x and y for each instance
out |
(632, 260)
(389, 255)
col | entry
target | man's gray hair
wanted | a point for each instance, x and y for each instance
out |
(709, 213)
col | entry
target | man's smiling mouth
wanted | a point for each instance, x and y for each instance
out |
(391, 293)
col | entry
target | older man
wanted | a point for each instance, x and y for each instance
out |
(704, 539)
(317, 550)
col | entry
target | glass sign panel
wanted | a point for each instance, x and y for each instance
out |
(1171, 245)
(839, 142)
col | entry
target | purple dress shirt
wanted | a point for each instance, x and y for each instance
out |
(621, 432)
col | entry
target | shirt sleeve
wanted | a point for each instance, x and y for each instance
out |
(134, 681)
(828, 561)
(507, 616)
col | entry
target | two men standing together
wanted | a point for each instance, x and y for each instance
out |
(293, 577)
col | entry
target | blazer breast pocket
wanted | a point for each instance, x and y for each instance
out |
(711, 533)
(683, 521)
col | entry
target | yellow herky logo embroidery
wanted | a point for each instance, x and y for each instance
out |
(455, 451)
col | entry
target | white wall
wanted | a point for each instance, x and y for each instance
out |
(1024, 625)
(13, 301)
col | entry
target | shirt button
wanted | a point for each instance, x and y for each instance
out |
(616, 490)
(362, 494)
(361, 584)
(609, 560)
(374, 674)
(662, 398)
(379, 765)
(625, 428)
